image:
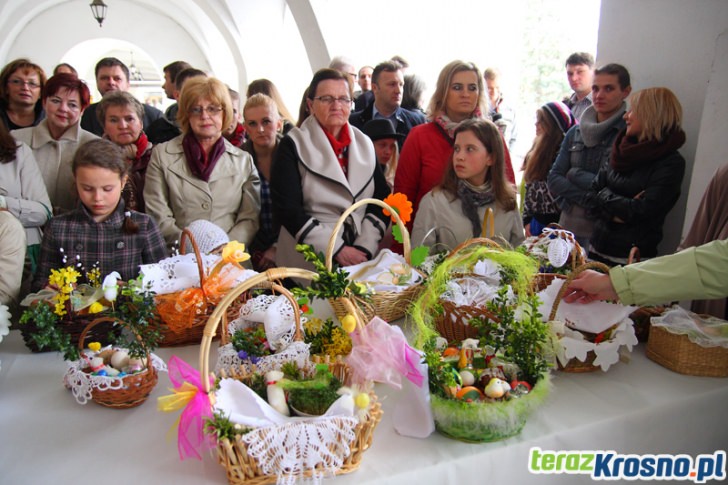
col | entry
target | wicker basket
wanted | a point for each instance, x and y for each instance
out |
(679, 354)
(136, 387)
(577, 253)
(188, 326)
(241, 468)
(74, 324)
(454, 321)
(387, 305)
(575, 365)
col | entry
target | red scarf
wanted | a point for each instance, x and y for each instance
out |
(237, 137)
(141, 145)
(199, 162)
(341, 147)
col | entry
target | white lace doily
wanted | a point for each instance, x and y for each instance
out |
(82, 383)
(180, 272)
(275, 312)
(388, 272)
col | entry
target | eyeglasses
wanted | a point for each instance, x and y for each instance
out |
(331, 99)
(210, 110)
(20, 82)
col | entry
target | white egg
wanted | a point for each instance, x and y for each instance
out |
(120, 359)
(467, 377)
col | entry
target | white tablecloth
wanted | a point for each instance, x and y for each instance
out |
(639, 407)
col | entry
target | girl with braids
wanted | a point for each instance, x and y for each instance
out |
(100, 229)
(475, 181)
(540, 209)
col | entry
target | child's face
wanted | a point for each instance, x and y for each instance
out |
(471, 159)
(99, 190)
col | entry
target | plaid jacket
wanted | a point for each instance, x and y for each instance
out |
(84, 241)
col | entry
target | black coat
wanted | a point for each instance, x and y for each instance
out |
(630, 207)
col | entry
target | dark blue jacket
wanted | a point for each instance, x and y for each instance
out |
(406, 120)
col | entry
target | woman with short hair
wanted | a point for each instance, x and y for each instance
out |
(122, 115)
(199, 174)
(21, 84)
(319, 171)
(55, 140)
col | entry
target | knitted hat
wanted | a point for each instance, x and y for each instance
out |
(379, 128)
(208, 236)
(561, 114)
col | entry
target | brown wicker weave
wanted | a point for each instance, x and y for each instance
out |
(137, 387)
(454, 321)
(575, 365)
(679, 354)
(241, 468)
(387, 305)
(192, 334)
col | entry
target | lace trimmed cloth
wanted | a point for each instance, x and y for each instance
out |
(595, 317)
(288, 447)
(275, 312)
(180, 272)
(477, 288)
(703, 330)
(552, 245)
(82, 383)
(388, 271)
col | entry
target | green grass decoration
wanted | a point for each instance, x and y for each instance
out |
(518, 271)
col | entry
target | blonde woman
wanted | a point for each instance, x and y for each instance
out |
(633, 194)
(199, 174)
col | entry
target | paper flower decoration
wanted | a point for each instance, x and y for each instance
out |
(398, 201)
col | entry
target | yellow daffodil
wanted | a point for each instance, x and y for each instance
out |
(96, 307)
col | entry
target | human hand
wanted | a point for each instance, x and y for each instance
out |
(349, 255)
(590, 286)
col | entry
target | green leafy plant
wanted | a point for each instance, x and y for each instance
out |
(329, 283)
(222, 428)
(252, 341)
(441, 376)
(49, 333)
(326, 338)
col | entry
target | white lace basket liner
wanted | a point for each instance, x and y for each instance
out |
(82, 384)
(576, 353)
(275, 312)
(282, 451)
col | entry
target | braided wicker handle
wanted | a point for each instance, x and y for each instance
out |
(345, 215)
(186, 234)
(593, 265)
(479, 241)
(97, 321)
(276, 288)
(271, 276)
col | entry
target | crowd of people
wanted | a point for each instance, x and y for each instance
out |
(115, 182)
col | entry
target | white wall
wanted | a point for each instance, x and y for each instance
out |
(671, 43)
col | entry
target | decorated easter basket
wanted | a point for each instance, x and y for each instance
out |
(452, 320)
(539, 247)
(677, 351)
(387, 305)
(576, 365)
(182, 323)
(294, 348)
(112, 392)
(237, 456)
(487, 421)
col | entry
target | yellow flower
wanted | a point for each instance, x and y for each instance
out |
(234, 252)
(94, 346)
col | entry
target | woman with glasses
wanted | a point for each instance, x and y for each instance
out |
(199, 174)
(21, 83)
(319, 171)
(55, 140)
